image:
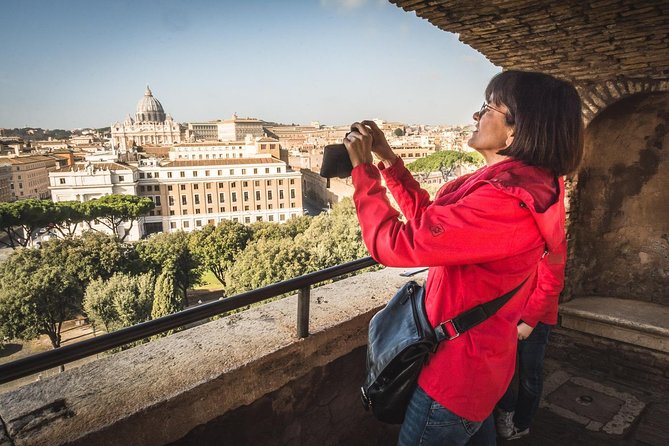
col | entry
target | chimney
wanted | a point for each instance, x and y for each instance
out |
(70, 159)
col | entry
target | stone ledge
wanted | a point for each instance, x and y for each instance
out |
(635, 322)
(158, 392)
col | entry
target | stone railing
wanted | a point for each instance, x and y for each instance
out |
(245, 378)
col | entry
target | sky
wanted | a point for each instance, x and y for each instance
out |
(73, 64)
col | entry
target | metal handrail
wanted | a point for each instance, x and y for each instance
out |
(53, 358)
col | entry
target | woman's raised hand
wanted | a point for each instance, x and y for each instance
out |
(359, 144)
(380, 146)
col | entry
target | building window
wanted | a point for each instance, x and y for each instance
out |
(221, 197)
(246, 196)
(141, 175)
(266, 169)
(292, 193)
(209, 199)
(292, 181)
(245, 184)
(207, 185)
(184, 201)
(270, 218)
(258, 218)
(220, 185)
(171, 212)
(149, 175)
(198, 223)
(62, 180)
(280, 182)
(141, 188)
(269, 206)
(255, 171)
(247, 219)
(234, 209)
(257, 195)
(232, 171)
(197, 211)
(233, 184)
(186, 224)
(196, 198)
(220, 173)
(195, 173)
(222, 209)
(196, 186)
(210, 210)
(243, 171)
(281, 197)
(282, 217)
(169, 188)
(157, 200)
(121, 178)
(256, 183)
(169, 174)
(173, 225)
(269, 195)
(182, 174)
(269, 182)
(233, 196)
(170, 200)
(206, 172)
(257, 207)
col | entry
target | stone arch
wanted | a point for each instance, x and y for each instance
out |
(619, 209)
(597, 96)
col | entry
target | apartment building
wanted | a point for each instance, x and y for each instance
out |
(190, 193)
(5, 182)
(30, 175)
(236, 129)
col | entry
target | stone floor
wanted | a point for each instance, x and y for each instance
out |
(582, 407)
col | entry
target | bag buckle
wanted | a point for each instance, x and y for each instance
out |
(447, 333)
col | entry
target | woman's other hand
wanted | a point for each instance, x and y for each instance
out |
(524, 331)
(380, 145)
(359, 144)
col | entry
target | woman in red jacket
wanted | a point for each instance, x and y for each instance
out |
(481, 236)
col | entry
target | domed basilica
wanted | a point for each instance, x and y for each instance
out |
(151, 126)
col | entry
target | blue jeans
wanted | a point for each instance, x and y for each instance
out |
(530, 378)
(429, 423)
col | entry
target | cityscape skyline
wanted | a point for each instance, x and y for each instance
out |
(77, 64)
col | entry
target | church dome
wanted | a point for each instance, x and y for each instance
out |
(149, 109)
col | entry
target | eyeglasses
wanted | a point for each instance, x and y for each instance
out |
(485, 107)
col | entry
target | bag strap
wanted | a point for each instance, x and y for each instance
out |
(472, 317)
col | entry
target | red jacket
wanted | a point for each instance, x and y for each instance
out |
(482, 236)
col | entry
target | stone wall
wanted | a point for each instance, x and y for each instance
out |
(247, 370)
(620, 209)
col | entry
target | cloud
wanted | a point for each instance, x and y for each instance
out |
(343, 5)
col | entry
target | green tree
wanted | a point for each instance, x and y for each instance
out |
(398, 132)
(69, 214)
(334, 238)
(266, 261)
(112, 211)
(217, 246)
(20, 219)
(121, 301)
(167, 299)
(36, 297)
(445, 159)
(289, 229)
(171, 250)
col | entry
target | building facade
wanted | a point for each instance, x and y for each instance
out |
(151, 126)
(30, 176)
(236, 129)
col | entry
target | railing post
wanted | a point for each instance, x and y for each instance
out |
(303, 311)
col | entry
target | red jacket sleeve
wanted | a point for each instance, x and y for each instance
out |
(542, 304)
(486, 225)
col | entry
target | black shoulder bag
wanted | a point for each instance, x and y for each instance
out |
(400, 341)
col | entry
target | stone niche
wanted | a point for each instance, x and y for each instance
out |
(620, 213)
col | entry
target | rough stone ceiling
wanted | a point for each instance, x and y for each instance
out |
(584, 41)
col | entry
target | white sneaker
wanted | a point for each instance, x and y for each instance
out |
(516, 434)
(504, 423)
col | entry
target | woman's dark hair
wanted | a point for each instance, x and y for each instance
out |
(546, 115)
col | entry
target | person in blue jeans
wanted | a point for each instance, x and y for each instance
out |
(515, 413)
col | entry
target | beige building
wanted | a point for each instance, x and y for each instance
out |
(190, 193)
(202, 131)
(5, 182)
(150, 126)
(30, 175)
(236, 129)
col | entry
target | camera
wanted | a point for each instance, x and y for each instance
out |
(336, 162)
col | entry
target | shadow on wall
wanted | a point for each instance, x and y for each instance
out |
(620, 217)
